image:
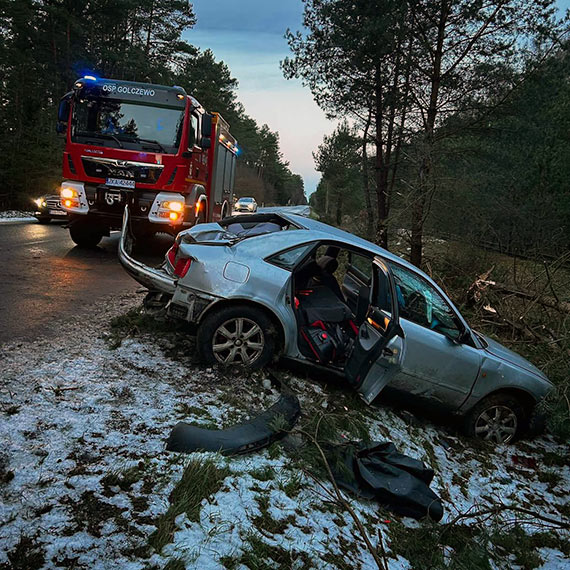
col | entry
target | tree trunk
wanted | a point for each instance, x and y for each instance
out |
(424, 186)
(381, 237)
(365, 179)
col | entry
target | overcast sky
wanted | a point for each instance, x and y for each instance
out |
(248, 36)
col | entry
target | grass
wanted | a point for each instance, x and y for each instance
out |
(292, 486)
(124, 479)
(461, 547)
(266, 473)
(27, 554)
(265, 521)
(262, 556)
(201, 479)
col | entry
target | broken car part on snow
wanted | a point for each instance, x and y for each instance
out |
(375, 471)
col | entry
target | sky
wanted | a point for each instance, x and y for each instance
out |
(248, 35)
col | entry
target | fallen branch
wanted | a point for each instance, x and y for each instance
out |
(344, 503)
(474, 294)
(497, 509)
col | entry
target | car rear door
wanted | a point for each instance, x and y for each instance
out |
(377, 350)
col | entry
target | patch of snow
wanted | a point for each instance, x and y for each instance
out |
(73, 413)
(16, 216)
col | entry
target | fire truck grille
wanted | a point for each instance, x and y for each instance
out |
(108, 168)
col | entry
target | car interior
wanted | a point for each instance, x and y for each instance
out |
(331, 301)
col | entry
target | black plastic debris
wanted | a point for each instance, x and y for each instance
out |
(378, 471)
(261, 431)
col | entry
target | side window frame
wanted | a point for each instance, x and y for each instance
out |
(367, 279)
(433, 290)
(307, 248)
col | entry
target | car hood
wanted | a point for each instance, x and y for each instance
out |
(497, 349)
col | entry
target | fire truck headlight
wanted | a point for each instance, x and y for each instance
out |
(174, 206)
(68, 192)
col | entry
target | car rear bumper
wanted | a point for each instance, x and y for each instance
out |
(153, 279)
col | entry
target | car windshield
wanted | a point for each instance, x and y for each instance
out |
(246, 200)
(128, 125)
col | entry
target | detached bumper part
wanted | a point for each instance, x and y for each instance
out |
(259, 432)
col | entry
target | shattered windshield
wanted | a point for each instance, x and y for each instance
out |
(127, 125)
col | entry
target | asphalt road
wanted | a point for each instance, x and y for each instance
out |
(44, 276)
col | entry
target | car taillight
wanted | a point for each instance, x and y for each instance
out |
(171, 255)
(182, 266)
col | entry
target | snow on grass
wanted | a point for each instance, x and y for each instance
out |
(85, 480)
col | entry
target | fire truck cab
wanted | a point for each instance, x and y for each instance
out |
(152, 147)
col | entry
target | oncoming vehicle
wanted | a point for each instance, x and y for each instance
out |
(246, 204)
(49, 208)
(151, 146)
(278, 284)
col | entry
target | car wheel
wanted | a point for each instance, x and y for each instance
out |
(85, 235)
(499, 419)
(238, 335)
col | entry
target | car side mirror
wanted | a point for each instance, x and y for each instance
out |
(60, 128)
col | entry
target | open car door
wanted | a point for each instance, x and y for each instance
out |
(377, 350)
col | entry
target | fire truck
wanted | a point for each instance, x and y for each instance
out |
(151, 147)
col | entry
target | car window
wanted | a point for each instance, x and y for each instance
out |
(362, 264)
(288, 258)
(422, 304)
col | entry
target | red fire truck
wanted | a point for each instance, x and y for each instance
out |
(152, 147)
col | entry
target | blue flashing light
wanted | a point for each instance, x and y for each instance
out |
(90, 77)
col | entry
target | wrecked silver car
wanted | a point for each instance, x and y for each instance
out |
(276, 284)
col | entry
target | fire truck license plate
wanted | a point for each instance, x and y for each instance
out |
(120, 182)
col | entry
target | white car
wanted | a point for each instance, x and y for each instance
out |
(247, 204)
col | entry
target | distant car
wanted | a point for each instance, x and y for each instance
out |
(245, 205)
(279, 284)
(49, 208)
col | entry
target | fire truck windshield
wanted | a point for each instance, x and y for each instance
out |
(112, 122)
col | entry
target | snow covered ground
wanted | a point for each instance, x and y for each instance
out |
(16, 216)
(85, 479)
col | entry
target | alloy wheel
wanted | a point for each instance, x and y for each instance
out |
(238, 341)
(497, 423)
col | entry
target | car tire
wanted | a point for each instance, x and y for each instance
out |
(499, 418)
(237, 335)
(85, 235)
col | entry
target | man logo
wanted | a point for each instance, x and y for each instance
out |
(112, 197)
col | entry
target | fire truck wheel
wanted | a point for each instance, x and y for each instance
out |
(85, 235)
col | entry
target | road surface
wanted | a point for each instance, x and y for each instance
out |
(44, 276)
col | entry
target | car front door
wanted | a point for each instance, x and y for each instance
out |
(377, 350)
(440, 362)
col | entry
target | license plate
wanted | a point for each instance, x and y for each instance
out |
(56, 213)
(120, 182)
